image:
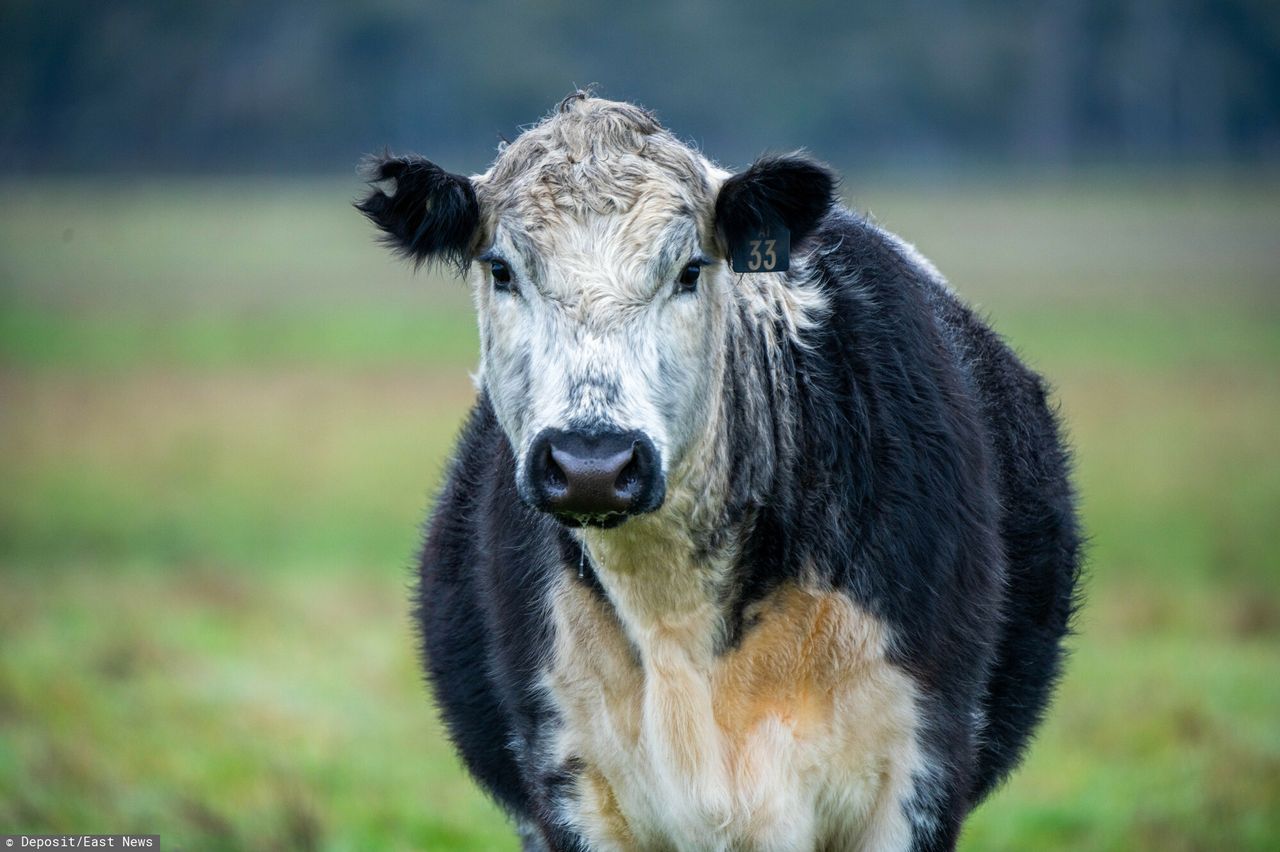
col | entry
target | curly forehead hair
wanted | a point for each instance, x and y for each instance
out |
(593, 156)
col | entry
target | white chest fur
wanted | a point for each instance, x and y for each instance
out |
(802, 737)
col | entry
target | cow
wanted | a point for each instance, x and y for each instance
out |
(756, 537)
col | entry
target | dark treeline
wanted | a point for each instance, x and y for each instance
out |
(285, 86)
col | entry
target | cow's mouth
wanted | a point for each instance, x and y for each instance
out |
(600, 520)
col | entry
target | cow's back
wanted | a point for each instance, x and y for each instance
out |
(1038, 527)
(874, 272)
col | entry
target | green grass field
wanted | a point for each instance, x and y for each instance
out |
(223, 412)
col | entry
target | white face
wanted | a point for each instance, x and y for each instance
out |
(595, 244)
(608, 323)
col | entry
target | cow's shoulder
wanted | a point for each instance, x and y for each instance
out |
(485, 562)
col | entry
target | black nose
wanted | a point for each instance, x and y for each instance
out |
(594, 477)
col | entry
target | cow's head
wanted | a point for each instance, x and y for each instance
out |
(597, 248)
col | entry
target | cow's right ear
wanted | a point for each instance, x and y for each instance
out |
(424, 212)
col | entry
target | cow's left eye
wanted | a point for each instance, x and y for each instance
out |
(688, 280)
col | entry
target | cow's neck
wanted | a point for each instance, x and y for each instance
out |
(668, 590)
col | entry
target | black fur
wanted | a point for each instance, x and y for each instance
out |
(793, 189)
(430, 214)
(925, 476)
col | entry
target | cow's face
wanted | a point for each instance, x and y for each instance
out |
(596, 247)
(601, 350)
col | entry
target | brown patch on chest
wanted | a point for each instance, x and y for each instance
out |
(801, 735)
(802, 645)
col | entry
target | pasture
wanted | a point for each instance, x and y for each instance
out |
(223, 410)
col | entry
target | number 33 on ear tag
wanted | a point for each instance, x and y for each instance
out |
(767, 249)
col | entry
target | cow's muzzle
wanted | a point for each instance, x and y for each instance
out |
(594, 478)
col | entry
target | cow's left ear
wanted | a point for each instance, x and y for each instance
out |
(425, 213)
(792, 190)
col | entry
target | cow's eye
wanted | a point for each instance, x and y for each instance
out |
(688, 280)
(501, 275)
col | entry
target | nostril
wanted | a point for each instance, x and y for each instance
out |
(628, 477)
(553, 476)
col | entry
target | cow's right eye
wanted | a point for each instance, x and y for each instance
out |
(501, 275)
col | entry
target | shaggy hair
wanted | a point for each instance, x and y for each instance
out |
(848, 429)
(592, 156)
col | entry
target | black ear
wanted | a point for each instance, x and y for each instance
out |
(429, 213)
(793, 190)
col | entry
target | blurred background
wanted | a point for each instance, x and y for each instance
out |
(223, 410)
